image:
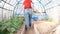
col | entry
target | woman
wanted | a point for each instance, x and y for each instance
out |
(28, 13)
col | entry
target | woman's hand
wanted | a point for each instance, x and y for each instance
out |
(36, 12)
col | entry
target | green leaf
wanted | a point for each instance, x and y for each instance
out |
(11, 30)
(4, 26)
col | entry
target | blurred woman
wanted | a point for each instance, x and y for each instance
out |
(28, 13)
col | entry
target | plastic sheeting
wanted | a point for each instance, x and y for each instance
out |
(50, 6)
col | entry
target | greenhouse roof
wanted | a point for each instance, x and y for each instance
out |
(16, 5)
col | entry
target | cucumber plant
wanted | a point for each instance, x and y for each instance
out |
(11, 25)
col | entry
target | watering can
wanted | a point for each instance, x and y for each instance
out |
(35, 17)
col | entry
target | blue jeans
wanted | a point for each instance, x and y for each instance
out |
(28, 17)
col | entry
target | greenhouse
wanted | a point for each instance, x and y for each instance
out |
(29, 16)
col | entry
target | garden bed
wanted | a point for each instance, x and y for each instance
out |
(10, 26)
(21, 30)
(44, 27)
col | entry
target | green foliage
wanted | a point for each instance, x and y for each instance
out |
(50, 20)
(11, 29)
(11, 25)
